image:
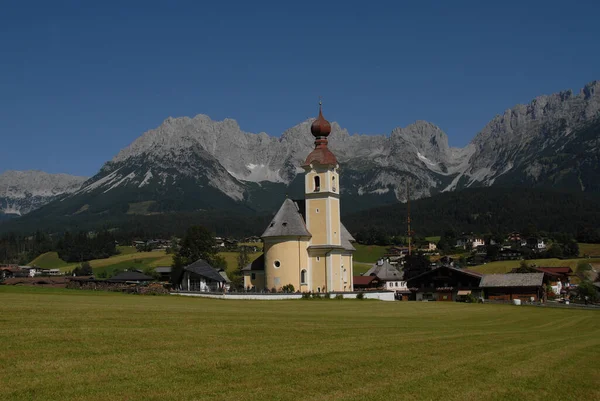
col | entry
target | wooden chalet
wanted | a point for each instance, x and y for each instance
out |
(445, 283)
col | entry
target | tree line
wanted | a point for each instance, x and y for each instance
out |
(492, 211)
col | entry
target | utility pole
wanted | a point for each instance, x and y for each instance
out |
(408, 232)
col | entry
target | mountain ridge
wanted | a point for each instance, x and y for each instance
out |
(200, 164)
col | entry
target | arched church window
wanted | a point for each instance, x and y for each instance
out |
(333, 183)
(303, 276)
(317, 183)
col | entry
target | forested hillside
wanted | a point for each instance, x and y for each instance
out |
(488, 210)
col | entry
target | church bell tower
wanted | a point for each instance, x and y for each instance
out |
(322, 189)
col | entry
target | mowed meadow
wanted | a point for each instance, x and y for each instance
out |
(76, 345)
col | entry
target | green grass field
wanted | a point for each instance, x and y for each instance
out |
(75, 345)
(507, 265)
(589, 249)
(368, 253)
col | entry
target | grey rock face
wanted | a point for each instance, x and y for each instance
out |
(550, 142)
(24, 191)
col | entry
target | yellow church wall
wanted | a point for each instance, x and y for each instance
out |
(317, 273)
(258, 282)
(334, 211)
(347, 262)
(335, 261)
(292, 256)
(317, 222)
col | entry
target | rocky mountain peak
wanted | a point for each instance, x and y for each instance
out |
(23, 191)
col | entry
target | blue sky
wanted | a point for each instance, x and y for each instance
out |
(79, 81)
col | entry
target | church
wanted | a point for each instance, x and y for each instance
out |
(306, 244)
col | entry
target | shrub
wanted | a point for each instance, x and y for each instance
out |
(472, 299)
(273, 290)
(316, 295)
(360, 295)
(288, 288)
(339, 296)
(306, 295)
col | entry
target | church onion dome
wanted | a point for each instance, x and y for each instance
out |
(321, 156)
(320, 129)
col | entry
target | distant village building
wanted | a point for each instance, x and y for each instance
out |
(537, 244)
(306, 245)
(469, 242)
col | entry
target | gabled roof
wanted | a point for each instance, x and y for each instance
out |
(202, 268)
(256, 264)
(385, 272)
(346, 238)
(130, 276)
(512, 280)
(363, 280)
(556, 270)
(462, 271)
(287, 222)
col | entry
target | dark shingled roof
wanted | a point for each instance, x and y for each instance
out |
(287, 222)
(202, 268)
(129, 276)
(257, 264)
(512, 280)
(385, 272)
(347, 239)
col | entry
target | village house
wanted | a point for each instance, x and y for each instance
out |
(362, 283)
(469, 242)
(445, 283)
(516, 240)
(507, 287)
(536, 244)
(132, 276)
(509, 254)
(558, 278)
(306, 245)
(202, 277)
(389, 278)
(164, 272)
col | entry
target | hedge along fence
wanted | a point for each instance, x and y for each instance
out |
(98, 285)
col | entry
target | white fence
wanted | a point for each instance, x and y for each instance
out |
(380, 295)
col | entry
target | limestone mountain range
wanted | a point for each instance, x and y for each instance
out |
(197, 163)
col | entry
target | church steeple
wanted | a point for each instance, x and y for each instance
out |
(321, 128)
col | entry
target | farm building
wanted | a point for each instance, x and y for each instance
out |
(202, 277)
(506, 287)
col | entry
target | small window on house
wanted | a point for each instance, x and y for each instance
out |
(318, 258)
(277, 264)
(317, 183)
(333, 183)
(253, 276)
(317, 210)
(303, 277)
